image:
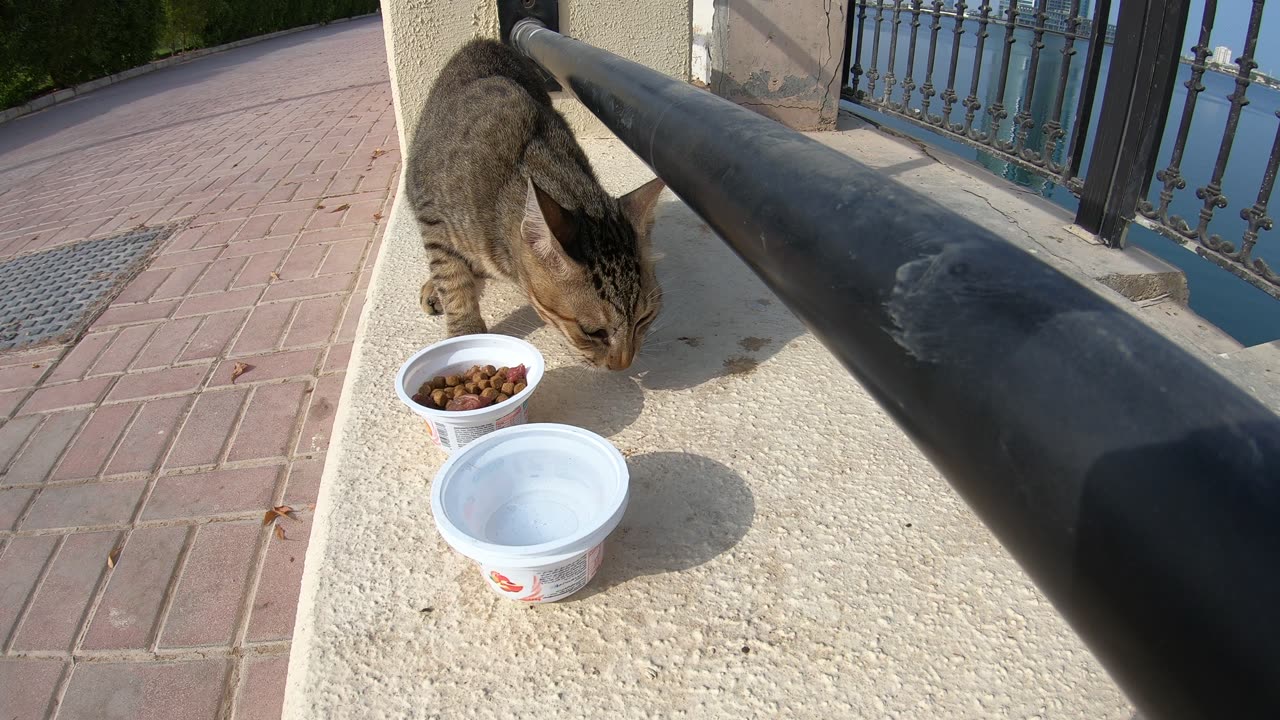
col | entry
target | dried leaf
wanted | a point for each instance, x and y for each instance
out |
(377, 216)
(379, 152)
(239, 369)
(319, 207)
(279, 511)
(280, 532)
(35, 365)
(113, 557)
(275, 275)
(341, 207)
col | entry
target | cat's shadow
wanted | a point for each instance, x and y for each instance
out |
(717, 318)
(602, 401)
(685, 510)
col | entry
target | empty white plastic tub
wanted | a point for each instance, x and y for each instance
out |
(532, 505)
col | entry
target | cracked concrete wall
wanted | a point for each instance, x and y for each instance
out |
(781, 58)
(422, 35)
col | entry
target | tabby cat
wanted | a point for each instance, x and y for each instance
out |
(501, 188)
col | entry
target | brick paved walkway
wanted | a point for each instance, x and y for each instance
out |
(137, 438)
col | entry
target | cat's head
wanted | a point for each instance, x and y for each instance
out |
(591, 275)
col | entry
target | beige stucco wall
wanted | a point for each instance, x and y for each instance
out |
(421, 35)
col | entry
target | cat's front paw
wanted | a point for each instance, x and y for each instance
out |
(467, 328)
(430, 299)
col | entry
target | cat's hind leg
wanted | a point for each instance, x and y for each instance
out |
(454, 285)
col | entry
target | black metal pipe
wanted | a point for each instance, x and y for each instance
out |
(1138, 488)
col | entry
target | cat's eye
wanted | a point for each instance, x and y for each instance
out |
(600, 334)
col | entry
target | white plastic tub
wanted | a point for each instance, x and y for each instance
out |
(453, 429)
(532, 505)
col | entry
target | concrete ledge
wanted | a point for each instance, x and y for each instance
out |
(787, 551)
(66, 94)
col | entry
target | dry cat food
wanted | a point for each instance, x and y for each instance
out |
(481, 386)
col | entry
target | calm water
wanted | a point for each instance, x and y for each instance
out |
(1248, 314)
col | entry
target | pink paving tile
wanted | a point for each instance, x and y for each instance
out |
(292, 221)
(344, 257)
(337, 359)
(21, 376)
(332, 235)
(351, 319)
(326, 285)
(27, 686)
(187, 257)
(133, 314)
(189, 690)
(59, 606)
(218, 302)
(167, 342)
(179, 282)
(83, 355)
(12, 502)
(294, 363)
(207, 430)
(44, 447)
(20, 566)
(303, 262)
(220, 492)
(122, 350)
(258, 226)
(318, 426)
(254, 246)
(10, 400)
(269, 422)
(135, 591)
(149, 436)
(219, 233)
(94, 504)
(262, 682)
(276, 601)
(96, 441)
(303, 485)
(207, 601)
(214, 335)
(258, 269)
(144, 286)
(315, 322)
(328, 215)
(219, 275)
(264, 329)
(13, 435)
(56, 397)
(158, 382)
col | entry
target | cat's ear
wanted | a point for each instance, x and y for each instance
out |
(548, 228)
(638, 204)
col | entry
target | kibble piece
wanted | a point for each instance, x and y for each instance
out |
(471, 388)
(520, 386)
(489, 369)
(452, 381)
(437, 382)
(502, 398)
(440, 397)
(508, 388)
(458, 391)
(483, 383)
(489, 393)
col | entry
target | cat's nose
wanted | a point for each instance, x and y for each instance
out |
(620, 360)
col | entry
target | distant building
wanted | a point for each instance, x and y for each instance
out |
(1057, 14)
(1222, 55)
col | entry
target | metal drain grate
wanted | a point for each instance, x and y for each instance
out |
(53, 295)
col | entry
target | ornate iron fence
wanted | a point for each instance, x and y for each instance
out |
(1029, 102)
(1044, 148)
(1160, 216)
